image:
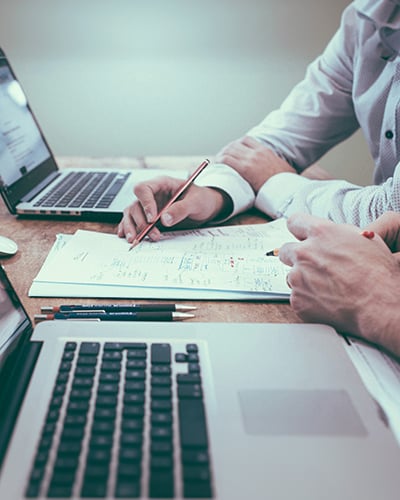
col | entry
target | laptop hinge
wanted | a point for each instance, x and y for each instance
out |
(14, 393)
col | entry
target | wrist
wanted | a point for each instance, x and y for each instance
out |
(378, 321)
(222, 206)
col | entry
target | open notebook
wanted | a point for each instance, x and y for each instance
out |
(212, 263)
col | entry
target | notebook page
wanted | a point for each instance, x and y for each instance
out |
(225, 258)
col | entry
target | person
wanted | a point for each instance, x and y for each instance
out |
(353, 84)
(340, 278)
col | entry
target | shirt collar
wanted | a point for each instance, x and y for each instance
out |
(384, 13)
(385, 16)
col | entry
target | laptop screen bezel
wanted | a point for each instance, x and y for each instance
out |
(20, 335)
(15, 192)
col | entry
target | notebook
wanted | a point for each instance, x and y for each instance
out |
(31, 182)
(202, 410)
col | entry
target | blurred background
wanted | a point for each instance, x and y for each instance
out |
(166, 77)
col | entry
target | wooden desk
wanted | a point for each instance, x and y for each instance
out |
(35, 238)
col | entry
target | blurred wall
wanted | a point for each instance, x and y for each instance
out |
(177, 77)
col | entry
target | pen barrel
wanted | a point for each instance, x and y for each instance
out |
(113, 308)
(120, 316)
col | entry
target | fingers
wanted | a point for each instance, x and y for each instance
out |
(397, 257)
(303, 225)
(133, 221)
(145, 193)
(198, 204)
(388, 228)
(250, 142)
(151, 196)
(287, 253)
(232, 154)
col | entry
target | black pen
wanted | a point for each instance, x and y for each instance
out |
(123, 316)
(115, 308)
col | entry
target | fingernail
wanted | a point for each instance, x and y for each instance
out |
(149, 217)
(166, 219)
(129, 237)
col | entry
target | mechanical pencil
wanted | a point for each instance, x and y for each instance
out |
(122, 316)
(114, 308)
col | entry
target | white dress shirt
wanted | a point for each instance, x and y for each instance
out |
(355, 83)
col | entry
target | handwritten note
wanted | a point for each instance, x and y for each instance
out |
(230, 258)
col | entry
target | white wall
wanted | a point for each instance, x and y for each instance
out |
(166, 77)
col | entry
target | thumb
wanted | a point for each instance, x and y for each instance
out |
(388, 228)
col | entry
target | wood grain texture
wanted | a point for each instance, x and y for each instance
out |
(35, 238)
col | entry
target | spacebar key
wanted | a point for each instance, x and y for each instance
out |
(192, 424)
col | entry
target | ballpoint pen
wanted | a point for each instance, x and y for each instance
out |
(179, 193)
(115, 308)
(123, 316)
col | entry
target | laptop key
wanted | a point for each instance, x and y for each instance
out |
(192, 423)
(123, 367)
(160, 354)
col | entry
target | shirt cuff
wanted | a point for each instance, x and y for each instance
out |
(277, 193)
(226, 179)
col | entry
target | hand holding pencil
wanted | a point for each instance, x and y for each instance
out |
(189, 205)
(139, 237)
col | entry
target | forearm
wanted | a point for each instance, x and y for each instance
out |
(378, 320)
(337, 200)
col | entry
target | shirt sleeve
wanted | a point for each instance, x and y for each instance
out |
(226, 179)
(340, 201)
(318, 113)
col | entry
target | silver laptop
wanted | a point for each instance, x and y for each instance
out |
(31, 183)
(227, 411)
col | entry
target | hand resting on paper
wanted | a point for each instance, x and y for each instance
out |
(343, 279)
(197, 206)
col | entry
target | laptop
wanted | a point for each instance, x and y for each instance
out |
(31, 182)
(228, 411)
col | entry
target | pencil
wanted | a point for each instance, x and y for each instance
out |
(139, 237)
(113, 308)
(123, 316)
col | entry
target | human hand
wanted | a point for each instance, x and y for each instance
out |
(345, 280)
(388, 228)
(197, 206)
(253, 161)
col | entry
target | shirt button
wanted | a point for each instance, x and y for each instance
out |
(389, 134)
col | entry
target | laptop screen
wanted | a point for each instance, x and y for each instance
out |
(25, 157)
(21, 145)
(13, 320)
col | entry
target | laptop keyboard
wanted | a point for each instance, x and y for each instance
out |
(111, 424)
(84, 189)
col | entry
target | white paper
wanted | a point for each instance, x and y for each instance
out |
(223, 262)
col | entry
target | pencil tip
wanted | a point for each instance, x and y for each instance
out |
(180, 316)
(182, 307)
(133, 245)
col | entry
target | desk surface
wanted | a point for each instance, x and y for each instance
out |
(35, 238)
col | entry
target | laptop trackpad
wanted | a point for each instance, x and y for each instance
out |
(313, 412)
